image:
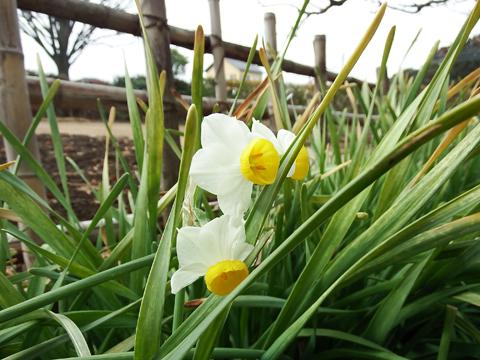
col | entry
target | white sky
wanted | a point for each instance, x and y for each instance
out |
(242, 20)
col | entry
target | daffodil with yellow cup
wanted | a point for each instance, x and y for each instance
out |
(231, 160)
(217, 251)
(282, 142)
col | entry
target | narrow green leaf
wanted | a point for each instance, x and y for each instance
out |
(386, 315)
(209, 338)
(35, 218)
(152, 308)
(67, 290)
(9, 296)
(56, 139)
(469, 297)
(73, 332)
(135, 120)
(75, 268)
(340, 335)
(27, 156)
(251, 55)
(447, 332)
(197, 77)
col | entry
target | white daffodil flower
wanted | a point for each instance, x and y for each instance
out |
(216, 250)
(231, 160)
(282, 142)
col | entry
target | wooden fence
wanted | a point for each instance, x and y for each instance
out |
(108, 18)
(79, 96)
(161, 35)
(18, 91)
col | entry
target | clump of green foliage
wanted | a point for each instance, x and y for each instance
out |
(375, 255)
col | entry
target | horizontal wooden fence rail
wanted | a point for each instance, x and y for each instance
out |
(83, 96)
(105, 17)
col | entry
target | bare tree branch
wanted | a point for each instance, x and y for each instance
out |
(415, 8)
(36, 31)
(321, 7)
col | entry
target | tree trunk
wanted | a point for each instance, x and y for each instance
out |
(62, 58)
(63, 66)
(157, 30)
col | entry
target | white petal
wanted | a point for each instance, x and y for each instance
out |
(213, 242)
(216, 169)
(226, 130)
(237, 225)
(227, 230)
(237, 201)
(216, 233)
(185, 276)
(215, 238)
(262, 131)
(193, 248)
(241, 249)
(285, 139)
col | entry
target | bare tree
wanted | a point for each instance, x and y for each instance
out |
(413, 6)
(63, 40)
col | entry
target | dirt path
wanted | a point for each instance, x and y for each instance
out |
(88, 128)
(88, 152)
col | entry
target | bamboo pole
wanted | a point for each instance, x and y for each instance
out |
(319, 48)
(270, 34)
(14, 100)
(217, 50)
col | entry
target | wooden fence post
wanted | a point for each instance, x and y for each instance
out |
(14, 100)
(270, 33)
(156, 24)
(270, 43)
(319, 48)
(217, 51)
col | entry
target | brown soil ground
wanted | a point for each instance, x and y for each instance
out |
(88, 153)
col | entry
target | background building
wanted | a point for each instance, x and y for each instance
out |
(234, 70)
